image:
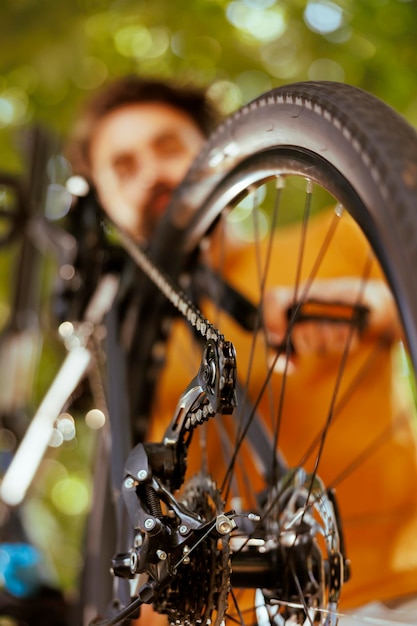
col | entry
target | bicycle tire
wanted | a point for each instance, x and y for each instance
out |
(346, 126)
(362, 153)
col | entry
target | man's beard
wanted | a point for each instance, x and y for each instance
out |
(155, 206)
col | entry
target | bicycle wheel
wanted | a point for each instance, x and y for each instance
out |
(310, 183)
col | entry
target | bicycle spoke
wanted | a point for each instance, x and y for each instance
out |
(311, 430)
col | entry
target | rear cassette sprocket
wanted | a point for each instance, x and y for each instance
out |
(197, 595)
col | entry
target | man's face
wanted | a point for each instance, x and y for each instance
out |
(139, 154)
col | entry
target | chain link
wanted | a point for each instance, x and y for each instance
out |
(173, 293)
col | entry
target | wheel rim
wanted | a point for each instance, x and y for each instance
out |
(302, 453)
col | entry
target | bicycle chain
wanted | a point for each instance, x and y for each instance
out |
(219, 393)
(174, 294)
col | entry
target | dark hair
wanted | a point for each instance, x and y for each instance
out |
(130, 90)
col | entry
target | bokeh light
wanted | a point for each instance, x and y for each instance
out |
(226, 95)
(323, 16)
(138, 42)
(263, 23)
(13, 106)
(282, 58)
(65, 424)
(95, 419)
(56, 439)
(70, 495)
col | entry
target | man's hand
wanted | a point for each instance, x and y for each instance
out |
(323, 337)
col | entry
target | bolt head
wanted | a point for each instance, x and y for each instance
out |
(133, 561)
(149, 523)
(142, 474)
(224, 524)
(224, 528)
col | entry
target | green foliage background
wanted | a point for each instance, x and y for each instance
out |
(53, 54)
